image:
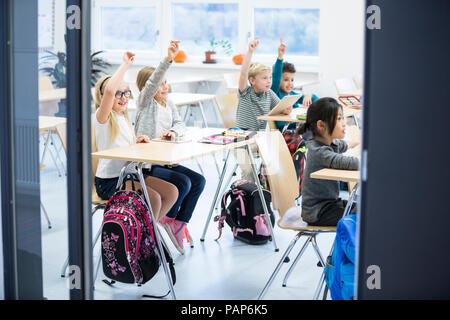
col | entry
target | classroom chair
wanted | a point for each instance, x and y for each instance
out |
(96, 201)
(227, 105)
(284, 190)
(51, 107)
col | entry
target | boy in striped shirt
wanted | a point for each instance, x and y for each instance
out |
(254, 101)
(257, 99)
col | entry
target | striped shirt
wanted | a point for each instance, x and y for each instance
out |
(252, 105)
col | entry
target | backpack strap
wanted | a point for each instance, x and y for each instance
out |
(223, 213)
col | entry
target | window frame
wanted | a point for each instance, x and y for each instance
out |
(245, 32)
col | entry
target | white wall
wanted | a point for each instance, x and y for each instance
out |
(341, 43)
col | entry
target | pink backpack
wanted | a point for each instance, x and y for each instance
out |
(129, 253)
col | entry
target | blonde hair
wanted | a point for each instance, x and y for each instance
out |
(113, 126)
(256, 68)
(142, 77)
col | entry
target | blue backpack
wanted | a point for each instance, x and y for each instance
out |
(340, 271)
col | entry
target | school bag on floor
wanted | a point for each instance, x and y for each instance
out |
(128, 239)
(297, 147)
(340, 269)
(242, 210)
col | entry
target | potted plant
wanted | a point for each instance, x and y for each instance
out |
(225, 45)
(57, 72)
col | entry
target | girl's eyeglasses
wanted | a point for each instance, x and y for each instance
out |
(120, 94)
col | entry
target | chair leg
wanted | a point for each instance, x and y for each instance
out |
(66, 263)
(46, 216)
(97, 267)
(291, 268)
(322, 261)
(277, 269)
(320, 286)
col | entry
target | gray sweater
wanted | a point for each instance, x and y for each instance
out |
(147, 107)
(316, 193)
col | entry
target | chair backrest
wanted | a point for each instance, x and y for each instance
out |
(280, 170)
(227, 105)
(45, 83)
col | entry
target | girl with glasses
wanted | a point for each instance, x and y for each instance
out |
(113, 129)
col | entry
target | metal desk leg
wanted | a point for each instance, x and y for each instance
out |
(261, 196)
(222, 191)
(157, 234)
(213, 204)
(203, 114)
(188, 108)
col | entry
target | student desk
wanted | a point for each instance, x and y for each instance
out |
(350, 176)
(47, 125)
(348, 113)
(166, 153)
(185, 99)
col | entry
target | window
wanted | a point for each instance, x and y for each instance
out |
(120, 26)
(195, 24)
(299, 29)
(128, 27)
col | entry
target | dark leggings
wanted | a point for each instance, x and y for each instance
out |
(332, 212)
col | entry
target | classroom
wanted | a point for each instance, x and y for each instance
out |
(217, 150)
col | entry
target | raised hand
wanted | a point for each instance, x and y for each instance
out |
(172, 50)
(253, 44)
(128, 58)
(281, 49)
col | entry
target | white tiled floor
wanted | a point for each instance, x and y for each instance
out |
(212, 270)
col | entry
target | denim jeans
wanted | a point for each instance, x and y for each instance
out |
(190, 185)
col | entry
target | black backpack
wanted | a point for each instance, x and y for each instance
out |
(244, 213)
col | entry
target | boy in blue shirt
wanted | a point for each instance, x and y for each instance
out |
(283, 83)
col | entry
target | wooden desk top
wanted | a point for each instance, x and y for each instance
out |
(46, 123)
(52, 95)
(338, 175)
(348, 112)
(166, 153)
